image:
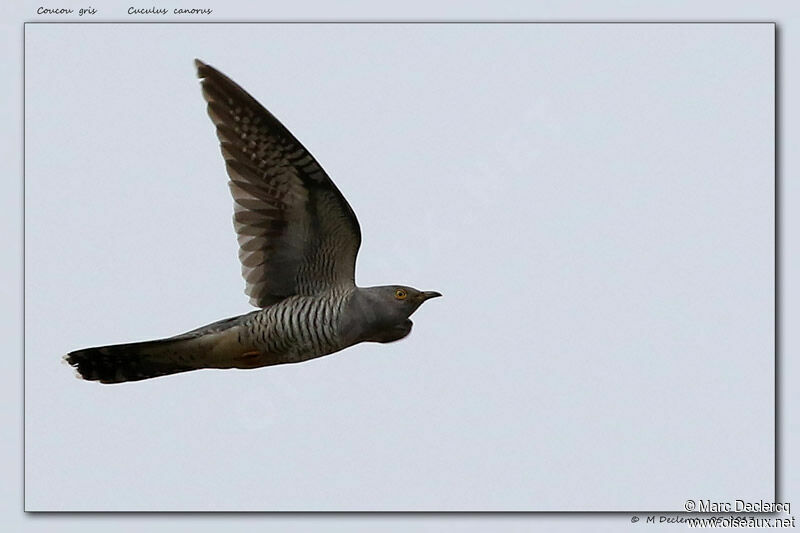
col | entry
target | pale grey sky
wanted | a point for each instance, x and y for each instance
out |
(595, 202)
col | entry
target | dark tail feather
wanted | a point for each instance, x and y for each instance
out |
(136, 361)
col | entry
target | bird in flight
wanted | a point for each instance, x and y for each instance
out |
(298, 241)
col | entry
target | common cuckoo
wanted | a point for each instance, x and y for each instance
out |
(298, 240)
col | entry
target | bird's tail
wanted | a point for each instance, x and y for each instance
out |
(213, 346)
(135, 361)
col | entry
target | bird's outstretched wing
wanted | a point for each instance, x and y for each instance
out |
(297, 234)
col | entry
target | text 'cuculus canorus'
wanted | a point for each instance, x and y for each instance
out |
(298, 240)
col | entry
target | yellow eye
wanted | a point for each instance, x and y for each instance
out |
(400, 294)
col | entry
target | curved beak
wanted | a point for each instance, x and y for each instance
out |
(427, 295)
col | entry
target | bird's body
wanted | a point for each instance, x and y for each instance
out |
(299, 328)
(298, 241)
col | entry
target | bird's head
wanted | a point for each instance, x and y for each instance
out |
(398, 301)
(385, 310)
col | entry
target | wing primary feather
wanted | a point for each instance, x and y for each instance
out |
(297, 234)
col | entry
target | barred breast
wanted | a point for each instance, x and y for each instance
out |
(299, 328)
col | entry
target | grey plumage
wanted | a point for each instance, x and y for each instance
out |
(298, 241)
